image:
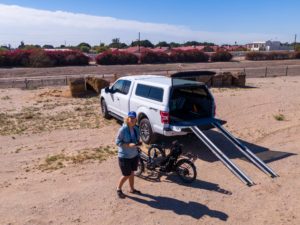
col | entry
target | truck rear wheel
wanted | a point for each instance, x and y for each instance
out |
(146, 133)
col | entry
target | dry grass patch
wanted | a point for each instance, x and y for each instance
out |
(61, 160)
(70, 114)
(5, 98)
(279, 117)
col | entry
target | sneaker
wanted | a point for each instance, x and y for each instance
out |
(134, 191)
(120, 194)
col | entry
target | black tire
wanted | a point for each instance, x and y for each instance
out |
(140, 169)
(186, 170)
(104, 110)
(156, 155)
(146, 133)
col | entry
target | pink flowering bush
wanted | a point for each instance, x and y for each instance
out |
(221, 56)
(116, 58)
(297, 55)
(268, 56)
(193, 55)
(41, 58)
(150, 57)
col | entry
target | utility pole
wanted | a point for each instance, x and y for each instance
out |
(139, 42)
(295, 42)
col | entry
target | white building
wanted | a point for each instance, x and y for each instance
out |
(267, 46)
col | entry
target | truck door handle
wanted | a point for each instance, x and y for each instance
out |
(118, 99)
(152, 108)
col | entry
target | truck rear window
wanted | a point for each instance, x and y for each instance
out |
(150, 92)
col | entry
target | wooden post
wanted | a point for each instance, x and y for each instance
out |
(266, 71)
(286, 71)
(26, 83)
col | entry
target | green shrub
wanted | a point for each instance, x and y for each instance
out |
(279, 117)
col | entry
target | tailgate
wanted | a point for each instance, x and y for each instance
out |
(203, 124)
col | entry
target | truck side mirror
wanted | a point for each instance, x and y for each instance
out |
(107, 90)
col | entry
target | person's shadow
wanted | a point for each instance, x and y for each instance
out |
(198, 184)
(192, 209)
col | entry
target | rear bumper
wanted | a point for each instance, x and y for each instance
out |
(171, 132)
(183, 127)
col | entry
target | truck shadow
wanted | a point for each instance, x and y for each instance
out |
(192, 209)
(196, 147)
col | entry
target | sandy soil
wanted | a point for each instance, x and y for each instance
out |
(53, 171)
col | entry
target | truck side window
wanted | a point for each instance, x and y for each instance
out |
(118, 86)
(142, 90)
(126, 87)
(150, 92)
(156, 94)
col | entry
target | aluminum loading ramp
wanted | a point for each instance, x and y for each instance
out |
(225, 160)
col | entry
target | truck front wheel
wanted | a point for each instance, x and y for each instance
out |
(104, 110)
(146, 133)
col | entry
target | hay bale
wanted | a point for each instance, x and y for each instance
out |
(239, 79)
(77, 86)
(217, 80)
(96, 83)
(205, 79)
(226, 79)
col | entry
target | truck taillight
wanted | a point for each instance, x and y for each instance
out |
(165, 117)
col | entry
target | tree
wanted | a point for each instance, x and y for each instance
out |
(174, 45)
(196, 43)
(162, 44)
(144, 43)
(83, 44)
(100, 48)
(48, 46)
(115, 43)
(22, 45)
(4, 48)
(84, 49)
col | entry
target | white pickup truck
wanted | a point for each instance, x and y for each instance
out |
(164, 106)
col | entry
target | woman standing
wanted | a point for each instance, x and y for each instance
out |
(127, 141)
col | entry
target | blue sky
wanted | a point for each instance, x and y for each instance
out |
(220, 21)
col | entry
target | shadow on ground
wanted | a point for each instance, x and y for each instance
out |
(192, 209)
(195, 146)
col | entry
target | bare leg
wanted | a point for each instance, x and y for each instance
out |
(122, 181)
(131, 181)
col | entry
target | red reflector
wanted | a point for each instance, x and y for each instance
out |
(165, 117)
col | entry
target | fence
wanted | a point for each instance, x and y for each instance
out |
(35, 82)
(61, 80)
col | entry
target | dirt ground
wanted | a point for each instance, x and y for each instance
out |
(59, 165)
